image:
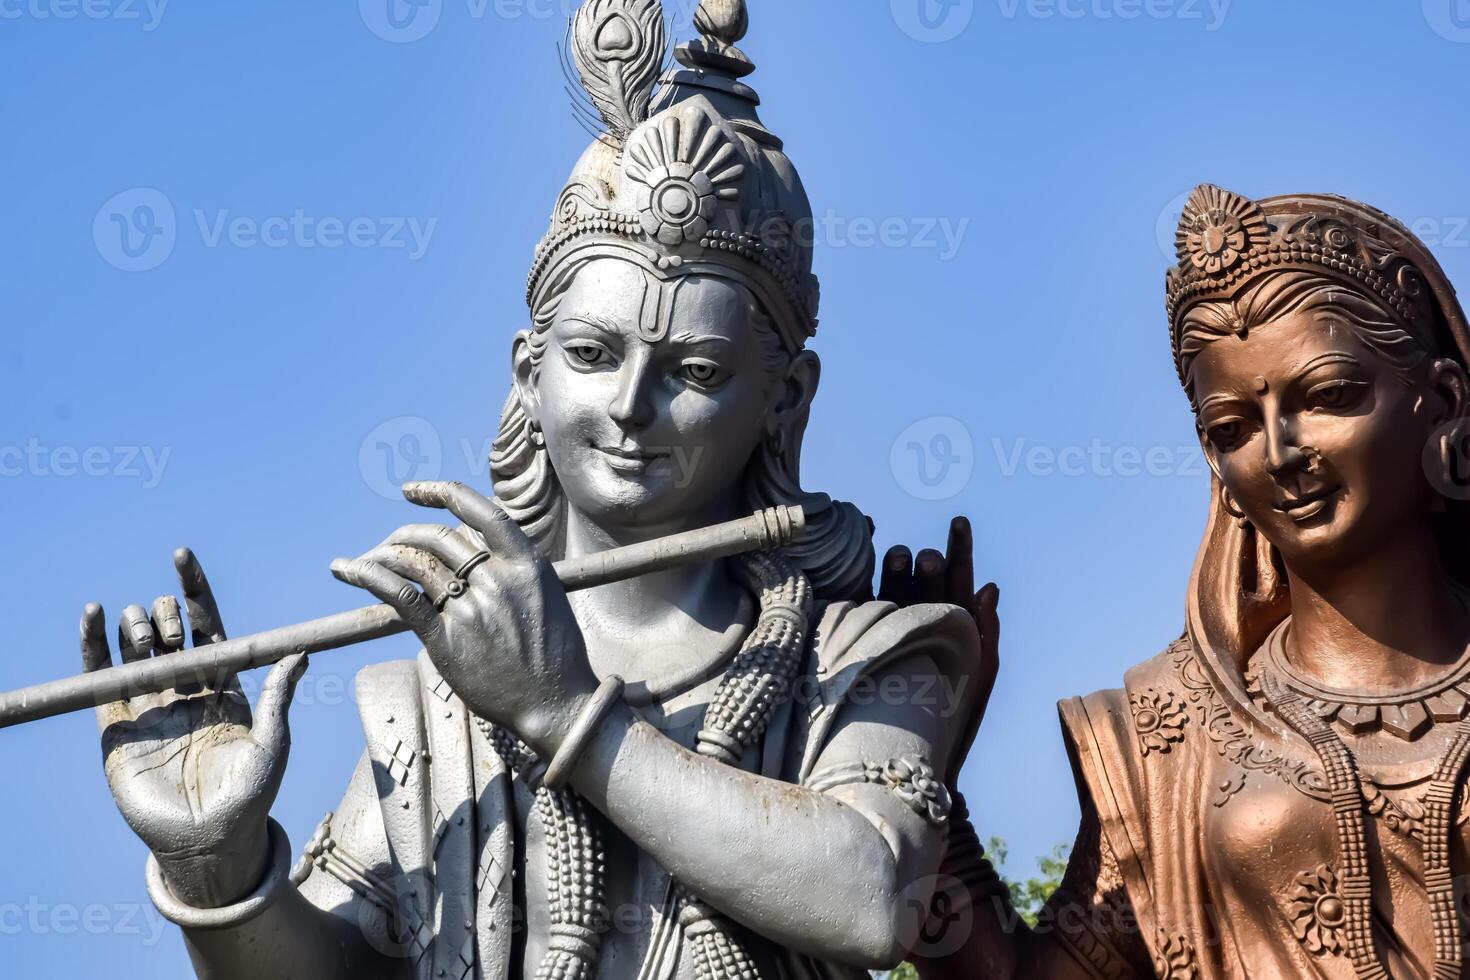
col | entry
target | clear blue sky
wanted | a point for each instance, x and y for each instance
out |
(993, 209)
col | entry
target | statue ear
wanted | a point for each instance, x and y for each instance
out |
(798, 388)
(525, 375)
(1449, 381)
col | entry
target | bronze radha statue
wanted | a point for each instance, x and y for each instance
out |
(1281, 793)
(667, 778)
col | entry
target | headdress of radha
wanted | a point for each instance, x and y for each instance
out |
(1225, 244)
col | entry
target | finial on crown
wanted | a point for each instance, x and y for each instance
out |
(721, 25)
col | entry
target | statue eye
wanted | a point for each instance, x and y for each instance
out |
(702, 373)
(589, 355)
(1226, 435)
(1336, 396)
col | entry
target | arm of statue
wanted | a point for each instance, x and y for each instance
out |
(1087, 930)
(195, 773)
(840, 873)
(826, 873)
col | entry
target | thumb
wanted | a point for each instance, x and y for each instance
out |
(272, 729)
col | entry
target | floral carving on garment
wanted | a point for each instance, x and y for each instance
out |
(1318, 913)
(1232, 740)
(1175, 958)
(1159, 717)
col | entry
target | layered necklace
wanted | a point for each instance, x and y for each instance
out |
(759, 680)
(1304, 708)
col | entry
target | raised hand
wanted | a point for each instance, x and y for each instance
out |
(948, 578)
(192, 772)
(489, 609)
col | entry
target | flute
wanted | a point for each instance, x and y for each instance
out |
(765, 530)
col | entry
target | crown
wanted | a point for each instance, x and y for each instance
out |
(682, 177)
(1224, 240)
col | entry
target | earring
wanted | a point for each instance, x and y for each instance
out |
(1231, 508)
(534, 433)
(1450, 459)
(776, 441)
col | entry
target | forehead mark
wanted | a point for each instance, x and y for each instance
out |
(1262, 385)
(656, 313)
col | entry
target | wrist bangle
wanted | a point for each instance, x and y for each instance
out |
(277, 878)
(608, 693)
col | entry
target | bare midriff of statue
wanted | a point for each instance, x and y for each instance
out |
(1281, 793)
(669, 777)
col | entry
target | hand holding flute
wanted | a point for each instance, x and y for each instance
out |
(195, 774)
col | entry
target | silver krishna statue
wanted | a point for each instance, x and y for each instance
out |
(665, 778)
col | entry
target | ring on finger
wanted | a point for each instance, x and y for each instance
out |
(476, 560)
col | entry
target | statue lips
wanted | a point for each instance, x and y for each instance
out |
(634, 462)
(1308, 505)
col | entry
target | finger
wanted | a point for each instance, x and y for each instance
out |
(439, 541)
(929, 576)
(205, 623)
(501, 533)
(135, 635)
(960, 556)
(272, 730)
(168, 625)
(97, 656)
(439, 583)
(395, 590)
(897, 582)
(987, 618)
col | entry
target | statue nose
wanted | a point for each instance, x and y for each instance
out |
(632, 406)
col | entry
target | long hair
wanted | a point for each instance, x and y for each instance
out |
(836, 553)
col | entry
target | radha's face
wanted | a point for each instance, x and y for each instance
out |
(1317, 438)
(644, 434)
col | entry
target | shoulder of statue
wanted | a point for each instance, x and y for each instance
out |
(855, 639)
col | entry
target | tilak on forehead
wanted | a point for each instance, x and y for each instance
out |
(685, 180)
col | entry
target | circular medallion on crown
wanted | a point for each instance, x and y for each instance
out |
(681, 166)
(1218, 228)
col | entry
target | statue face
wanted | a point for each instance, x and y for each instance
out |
(651, 434)
(1318, 439)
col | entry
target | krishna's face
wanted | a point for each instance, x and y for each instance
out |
(653, 396)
